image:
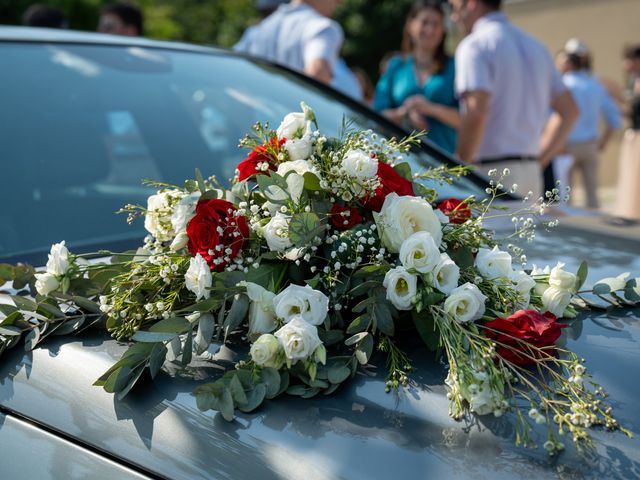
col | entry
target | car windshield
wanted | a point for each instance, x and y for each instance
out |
(82, 125)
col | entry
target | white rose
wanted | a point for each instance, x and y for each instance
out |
(360, 165)
(58, 262)
(198, 277)
(264, 351)
(446, 274)
(298, 339)
(402, 287)
(541, 286)
(158, 218)
(294, 125)
(46, 283)
(299, 148)
(297, 166)
(297, 301)
(184, 211)
(262, 316)
(276, 233)
(465, 303)
(556, 300)
(562, 279)
(180, 241)
(523, 283)
(401, 217)
(419, 251)
(493, 263)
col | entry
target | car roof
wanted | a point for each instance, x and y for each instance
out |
(43, 35)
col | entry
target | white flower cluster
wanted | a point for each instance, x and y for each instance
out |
(301, 309)
(558, 292)
(478, 391)
(57, 265)
(159, 218)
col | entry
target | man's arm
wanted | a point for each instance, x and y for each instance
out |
(612, 116)
(475, 110)
(319, 69)
(559, 127)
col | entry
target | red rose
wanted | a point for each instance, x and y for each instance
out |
(390, 181)
(521, 328)
(214, 229)
(261, 154)
(457, 211)
(342, 220)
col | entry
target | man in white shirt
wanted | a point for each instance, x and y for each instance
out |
(507, 84)
(300, 35)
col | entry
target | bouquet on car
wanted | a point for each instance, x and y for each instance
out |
(319, 259)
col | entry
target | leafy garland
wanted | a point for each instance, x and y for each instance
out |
(314, 257)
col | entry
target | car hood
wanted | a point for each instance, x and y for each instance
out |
(359, 432)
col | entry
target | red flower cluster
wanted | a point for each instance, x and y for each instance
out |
(457, 211)
(521, 328)
(344, 222)
(214, 229)
(249, 166)
(390, 181)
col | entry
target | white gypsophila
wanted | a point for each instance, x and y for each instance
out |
(522, 283)
(556, 300)
(197, 278)
(541, 286)
(401, 286)
(299, 339)
(465, 303)
(46, 283)
(301, 301)
(264, 351)
(293, 125)
(420, 252)
(401, 217)
(58, 262)
(446, 275)
(360, 165)
(262, 316)
(157, 220)
(180, 241)
(184, 211)
(493, 263)
(562, 279)
(482, 399)
(276, 233)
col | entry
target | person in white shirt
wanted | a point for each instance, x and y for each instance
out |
(507, 83)
(300, 35)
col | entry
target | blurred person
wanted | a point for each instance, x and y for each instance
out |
(39, 15)
(345, 81)
(264, 8)
(300, 35)
(628, 192)
(365, 84)
(581, 49)
(121, 19)
(417, 88)
(507, 83)
(585, 142)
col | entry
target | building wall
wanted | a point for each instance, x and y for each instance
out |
(605, 25)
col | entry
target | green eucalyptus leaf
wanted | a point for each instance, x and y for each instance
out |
(311, 182)
(171, 325)
(157, 358)
(426, 326)
(304, 227)
(601, 289)
(32, 339)
(237, 392)
(297, 390)
(237, 312)
(632, 290)
(404, 170)
(24, 303)
(118, 379)
(360, 324)
(225, 405)
(133, 379)
(69, 326)
(338, 374)
(206, 325)
(200, 181)
(583, 272)
(355, 338)
(10, 331)
(153, 337)
(270, 377)
(364, 349)
(255, 397)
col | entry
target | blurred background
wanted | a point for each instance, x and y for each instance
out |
(373, 28)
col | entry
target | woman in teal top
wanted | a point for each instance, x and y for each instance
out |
(417, 88)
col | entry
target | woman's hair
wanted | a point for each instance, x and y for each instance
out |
(631, 52)
(440, 55)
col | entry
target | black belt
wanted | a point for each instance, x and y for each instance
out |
(508, 158)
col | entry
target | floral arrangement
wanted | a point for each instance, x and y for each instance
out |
(319, 258)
